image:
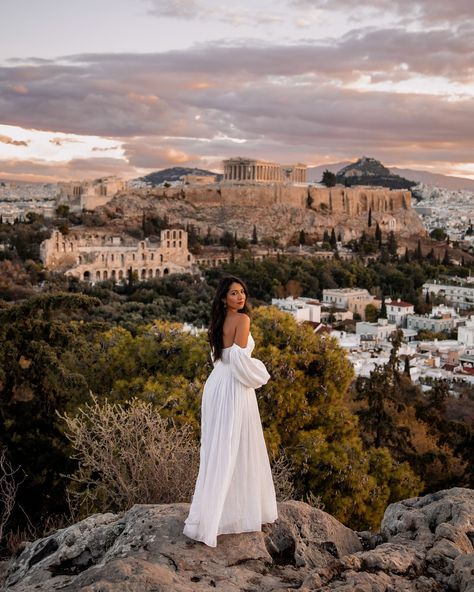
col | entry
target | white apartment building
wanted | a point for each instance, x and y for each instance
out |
(378, 332)
(303, 309)
(398, 311)
(466, 333)
(442, 318)
(353, 299)
(460, 296)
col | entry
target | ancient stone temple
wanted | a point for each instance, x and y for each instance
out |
(259, 171)
(94, 256)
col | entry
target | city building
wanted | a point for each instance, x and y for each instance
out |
(303, 309)
(398, 311)
(459, 294)
(375, 332)
(94, 256)
(442, 318)
(466, 332)
(260, 171)
(352, 299)
(17, 200)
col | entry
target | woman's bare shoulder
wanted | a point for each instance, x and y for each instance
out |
(242, 320)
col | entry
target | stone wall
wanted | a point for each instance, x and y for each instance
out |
(335, 200)
(275, 209)
(96, 256)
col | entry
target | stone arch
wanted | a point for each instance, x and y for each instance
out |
(105, 275)
(113, 274)
(157, 273)
(150, 273)
(120, 274)
(87, 276)
(97, 275)
(166, 271)
(143, 274)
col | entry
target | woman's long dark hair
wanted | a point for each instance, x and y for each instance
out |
(218, 313)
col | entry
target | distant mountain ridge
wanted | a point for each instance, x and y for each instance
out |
(314, 175)
(174, 174)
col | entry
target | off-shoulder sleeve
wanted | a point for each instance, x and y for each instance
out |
(249, 371)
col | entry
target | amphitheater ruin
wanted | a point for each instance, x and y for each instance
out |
(96, 256)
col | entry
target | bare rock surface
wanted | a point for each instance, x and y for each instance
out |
(425, 545)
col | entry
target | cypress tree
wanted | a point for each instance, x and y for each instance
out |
(378, 234)
(419, 252)
(383, 309)
(254, 236)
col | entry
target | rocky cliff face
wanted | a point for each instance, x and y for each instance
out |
(276, 210)
(425, 545)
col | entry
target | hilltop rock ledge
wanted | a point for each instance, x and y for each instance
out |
(425, 545)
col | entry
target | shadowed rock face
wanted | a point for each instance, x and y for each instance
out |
(275, 210)
(425, 545)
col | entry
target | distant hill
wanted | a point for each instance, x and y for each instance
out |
(174, 174)
(369, 171)
(435, 179)
(314, 175)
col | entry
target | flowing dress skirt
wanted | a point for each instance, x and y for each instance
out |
(234, 489)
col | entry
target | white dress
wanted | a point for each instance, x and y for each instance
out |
(234, 488)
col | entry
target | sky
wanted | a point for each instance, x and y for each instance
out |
(126, 87)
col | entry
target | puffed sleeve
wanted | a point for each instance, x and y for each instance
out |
(247, 370)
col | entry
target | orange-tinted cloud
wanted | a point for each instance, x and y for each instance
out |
(273, 101)
(8, 140)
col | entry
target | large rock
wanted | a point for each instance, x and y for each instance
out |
(144, 549)
(425, 545)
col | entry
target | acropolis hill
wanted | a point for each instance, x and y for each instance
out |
(273, 197)
(275, 209)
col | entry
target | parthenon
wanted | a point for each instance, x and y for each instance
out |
(259, 171)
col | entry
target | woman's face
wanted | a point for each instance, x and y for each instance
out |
(235, 298)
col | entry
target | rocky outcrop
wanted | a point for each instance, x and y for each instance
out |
(275, 210)
(425, 545)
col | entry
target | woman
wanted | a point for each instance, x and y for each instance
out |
(234, 488)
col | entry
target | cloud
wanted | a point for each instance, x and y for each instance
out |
(434, 12)
(80, 168)
(299, 102)
(210, 10)
(62, 141)
(175, 8)
(8, 140)
(107, 149)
